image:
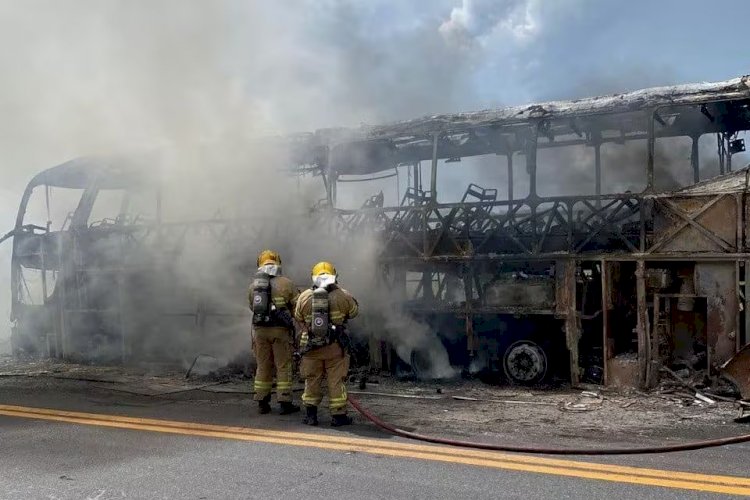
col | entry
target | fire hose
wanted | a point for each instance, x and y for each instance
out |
(694, 445)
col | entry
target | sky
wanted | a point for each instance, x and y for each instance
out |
(87, 77)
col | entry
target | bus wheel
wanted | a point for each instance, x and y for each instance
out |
(525, 362)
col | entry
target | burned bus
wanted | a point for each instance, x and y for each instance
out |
(614, 243)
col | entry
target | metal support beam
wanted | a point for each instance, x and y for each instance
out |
(642, 328)
(651, 152)
(738, 282)
(695, 159)
(652, 372)
(606, 354)
(531, 147)
(598, 171)
(572, 329)
(333, 180)
(433, 176)
(468, 314)
(328, 178)
(510, 175)
(728, 153)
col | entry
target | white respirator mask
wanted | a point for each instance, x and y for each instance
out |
(270, 269)
(323, 280)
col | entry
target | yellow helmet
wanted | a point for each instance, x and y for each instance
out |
(268, 257)
(323, 268)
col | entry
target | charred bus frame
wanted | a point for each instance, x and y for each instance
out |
(525, 269)
(586, 243)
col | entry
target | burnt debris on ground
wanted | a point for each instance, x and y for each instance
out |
(459, 408)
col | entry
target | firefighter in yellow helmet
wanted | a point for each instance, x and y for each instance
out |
(324, 310)
(272, 299)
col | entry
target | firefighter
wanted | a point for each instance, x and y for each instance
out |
(272, 300)
(324, 310)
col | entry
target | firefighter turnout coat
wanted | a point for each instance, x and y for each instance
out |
(330, 360)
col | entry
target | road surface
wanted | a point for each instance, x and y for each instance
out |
(62, 441)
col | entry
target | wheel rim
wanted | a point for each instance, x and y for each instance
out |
(525, 362)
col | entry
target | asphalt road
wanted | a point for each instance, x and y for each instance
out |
(155, 454)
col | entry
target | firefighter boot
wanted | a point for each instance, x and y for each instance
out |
(339, 420)
(264, 405)
(287, 407)
(311, 418)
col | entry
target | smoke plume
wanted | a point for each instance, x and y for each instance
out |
(196, 83)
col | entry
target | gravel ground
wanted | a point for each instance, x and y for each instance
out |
(502, 413)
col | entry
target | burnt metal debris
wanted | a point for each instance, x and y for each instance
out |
(737, 370)
(603, 287)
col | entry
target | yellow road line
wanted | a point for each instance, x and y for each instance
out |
(380, 443)
(525, 463)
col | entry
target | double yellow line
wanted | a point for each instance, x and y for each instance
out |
(525, 463)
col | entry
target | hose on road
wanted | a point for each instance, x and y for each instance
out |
(694, 445)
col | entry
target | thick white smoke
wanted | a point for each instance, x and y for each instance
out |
(200, 80)
(197, 82)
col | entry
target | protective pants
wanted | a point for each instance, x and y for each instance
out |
(273, 346)
(331, 362)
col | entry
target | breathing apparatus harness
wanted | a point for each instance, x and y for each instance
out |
(265, 312)
(323, 331)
